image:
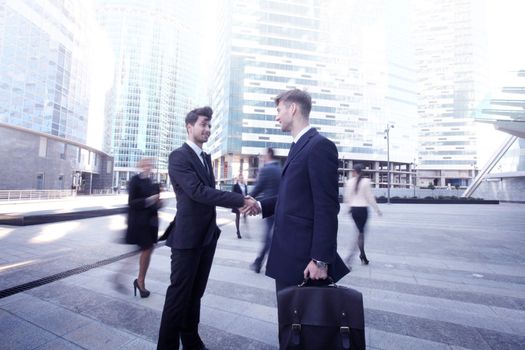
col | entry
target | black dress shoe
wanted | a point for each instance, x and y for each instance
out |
(255, 267)
(364, 260)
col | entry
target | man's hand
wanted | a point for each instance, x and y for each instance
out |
(314, 272)
(154, 198)
(251, 207)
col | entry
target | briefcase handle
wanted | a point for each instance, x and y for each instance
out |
(327, 282)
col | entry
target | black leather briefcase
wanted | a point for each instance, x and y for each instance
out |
(321, 317)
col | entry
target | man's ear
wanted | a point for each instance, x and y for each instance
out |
(293, 108)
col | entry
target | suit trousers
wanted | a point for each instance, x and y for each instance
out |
(267, 240)
(190, 269)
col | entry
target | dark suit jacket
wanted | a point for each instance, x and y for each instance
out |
(306, 211)
(268, 180)
(197, 197)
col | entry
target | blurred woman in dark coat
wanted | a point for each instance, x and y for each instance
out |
(143, 222)
(242, 188)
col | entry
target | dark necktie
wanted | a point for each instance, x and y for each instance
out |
(203, 155)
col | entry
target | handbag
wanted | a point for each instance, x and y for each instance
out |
(320, 317)
(167, 231)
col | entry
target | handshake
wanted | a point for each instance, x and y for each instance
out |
(251, 207)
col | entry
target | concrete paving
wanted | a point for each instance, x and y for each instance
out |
(440, 277)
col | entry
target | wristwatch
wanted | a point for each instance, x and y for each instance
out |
(320, 264)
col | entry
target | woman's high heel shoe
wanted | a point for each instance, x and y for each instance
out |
(364, 260)
(143, 293)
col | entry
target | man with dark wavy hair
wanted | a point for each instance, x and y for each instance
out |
(194, 237)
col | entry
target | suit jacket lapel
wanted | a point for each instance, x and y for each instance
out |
(199, 167)
(303, 141)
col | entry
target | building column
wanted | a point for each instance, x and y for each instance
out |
(376, 174)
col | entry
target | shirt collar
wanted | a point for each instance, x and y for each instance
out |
(194, 147)
(301, 133)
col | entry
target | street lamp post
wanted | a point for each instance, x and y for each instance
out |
(415, 176)
(387, 137)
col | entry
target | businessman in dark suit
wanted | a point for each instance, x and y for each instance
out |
(304, 240)
(194, 238)
(267, 186)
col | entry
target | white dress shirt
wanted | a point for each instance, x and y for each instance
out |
(197, 150)
(301, 133)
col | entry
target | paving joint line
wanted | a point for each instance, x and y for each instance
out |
(78, 270)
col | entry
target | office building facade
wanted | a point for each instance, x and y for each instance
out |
(451, 55)
(44, 97)
(155, 52)
(34, 160)
(44, 80)
(267, 47)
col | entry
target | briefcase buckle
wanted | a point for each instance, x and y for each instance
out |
(296, 327)
(345, 330)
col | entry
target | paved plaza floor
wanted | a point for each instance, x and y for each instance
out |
(440, 277)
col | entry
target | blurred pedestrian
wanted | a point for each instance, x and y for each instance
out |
(267, 186)
(143, 223)
(239, 187)
(358, 195)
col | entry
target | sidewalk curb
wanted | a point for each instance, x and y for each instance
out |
(37, 219)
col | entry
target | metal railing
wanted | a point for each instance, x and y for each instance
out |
(17, 195)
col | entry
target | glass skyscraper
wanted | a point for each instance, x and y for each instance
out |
(451, 53)
(156, 60)
(336, 50)
(44, 80)
(45, 88)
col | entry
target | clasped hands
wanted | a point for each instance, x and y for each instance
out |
(251, 207)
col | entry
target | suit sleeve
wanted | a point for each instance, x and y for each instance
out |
(182, 172)
(268, 206)
(324, 182)
(261, 183)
